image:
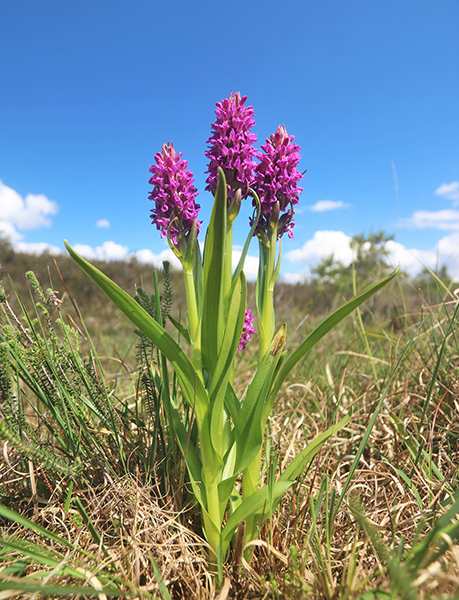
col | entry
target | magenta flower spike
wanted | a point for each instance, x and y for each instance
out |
(173, 193)
(276, 183)
(247, 330)
(231, 147)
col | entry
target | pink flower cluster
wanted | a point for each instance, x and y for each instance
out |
(274, 175)
(276, 182)
(231, 146)
(173, 193)
(247, 330)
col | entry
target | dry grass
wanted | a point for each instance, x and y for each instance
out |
(402, 482)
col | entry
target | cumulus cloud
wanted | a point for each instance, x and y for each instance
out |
(30, 212)
(112, 251)
(107, 251)
(325, 205)
(412, 260)
(147, 257)
(104, 223)
(8, 231)
(322, 245)
(37, 248)
(446, 252)
(250, 264)
(447, 220)
(450, 191)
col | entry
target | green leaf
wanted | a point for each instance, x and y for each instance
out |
(223, 368)
(255, 503)
(232, 404)
(197, 275)
(213, 301)
(298, 463)
(191, 455)
(180, 328)
(248, 424)
(232, 335)
(320, 331)
(192, 387)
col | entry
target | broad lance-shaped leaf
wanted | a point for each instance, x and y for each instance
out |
(223, 367)
(213, 266)
(255, 503)
(192, 387)
(248, 429)
(233, 330)
(319, 332)
(248, 425)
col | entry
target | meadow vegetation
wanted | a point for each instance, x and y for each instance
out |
(95, 497)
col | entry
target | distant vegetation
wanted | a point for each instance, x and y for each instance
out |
(329, 284)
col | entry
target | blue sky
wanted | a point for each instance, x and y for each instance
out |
(90, 90)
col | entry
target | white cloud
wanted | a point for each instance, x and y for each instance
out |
(37, 248)
(8, 231)
(30, 212)
(447, 220)
(324, 205)
(450, 191)
(250, 264)
(113, 251)
(412, 260)
(108, 251)
(446, 252)
(103, 223)
(322, 245)
(147, 257)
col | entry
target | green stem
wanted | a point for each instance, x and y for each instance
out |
(266, 281)
(194, 324)
(250, 481)
(228, 263)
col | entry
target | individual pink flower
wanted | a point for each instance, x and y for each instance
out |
(247, 330)
(173, 193)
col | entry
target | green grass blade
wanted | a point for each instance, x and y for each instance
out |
(40, 555)
(298, 463)
(192, 387)
(49, 590)
(90, 525)
(369, 428)
(161, 585)
(326, 325)
(7, 513)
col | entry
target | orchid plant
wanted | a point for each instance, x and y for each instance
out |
(230, 428)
